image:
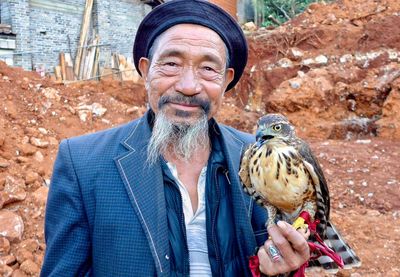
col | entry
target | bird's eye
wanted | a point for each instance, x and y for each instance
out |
(277, 127)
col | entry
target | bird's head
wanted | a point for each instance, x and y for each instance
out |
(274, 127)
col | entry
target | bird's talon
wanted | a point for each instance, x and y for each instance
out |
(304, 227)
(299, 224)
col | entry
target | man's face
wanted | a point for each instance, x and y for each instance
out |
(187, 75)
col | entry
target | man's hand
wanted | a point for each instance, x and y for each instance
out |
(292, 246)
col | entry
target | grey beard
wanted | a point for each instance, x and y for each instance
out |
(180, 138)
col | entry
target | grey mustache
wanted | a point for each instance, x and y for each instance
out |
(188, 100)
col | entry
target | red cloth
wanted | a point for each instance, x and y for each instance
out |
(254, 265)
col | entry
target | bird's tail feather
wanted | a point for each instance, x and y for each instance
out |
(336, 242)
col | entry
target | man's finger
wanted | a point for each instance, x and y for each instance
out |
(273, 252)
(267, 266)
(305, 232)
(297, 240)
(281, 242)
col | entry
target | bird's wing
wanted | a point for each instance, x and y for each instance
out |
(244, 171)
(321, 186)
(332, 237)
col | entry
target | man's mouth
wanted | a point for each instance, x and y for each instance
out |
(184, 103)
(185, 106)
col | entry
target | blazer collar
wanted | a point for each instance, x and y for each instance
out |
(144, 185)
(232, 145)
(141, 133)
(242, 209)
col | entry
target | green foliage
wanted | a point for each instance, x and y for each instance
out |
(279, 11)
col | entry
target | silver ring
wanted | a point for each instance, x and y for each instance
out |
(274, 253)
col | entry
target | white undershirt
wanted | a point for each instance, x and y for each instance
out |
(195, 224)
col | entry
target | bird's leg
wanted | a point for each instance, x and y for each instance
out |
(308, 207)
(271, 215)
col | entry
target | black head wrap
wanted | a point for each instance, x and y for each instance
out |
(198, 12)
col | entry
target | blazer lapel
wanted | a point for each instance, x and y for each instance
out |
(144, 185)
(233, 147)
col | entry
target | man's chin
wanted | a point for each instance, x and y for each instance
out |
(184, 117)
(187, 121)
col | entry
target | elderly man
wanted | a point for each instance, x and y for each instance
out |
(160, 196)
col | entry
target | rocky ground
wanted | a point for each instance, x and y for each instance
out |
(334, 71)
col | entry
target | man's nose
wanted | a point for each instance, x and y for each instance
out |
(188, 83)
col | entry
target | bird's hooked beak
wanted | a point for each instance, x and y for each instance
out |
(262, 136)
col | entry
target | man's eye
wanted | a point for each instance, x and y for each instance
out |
(207, 68)
(171, 64)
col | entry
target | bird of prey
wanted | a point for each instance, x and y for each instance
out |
(281, 174)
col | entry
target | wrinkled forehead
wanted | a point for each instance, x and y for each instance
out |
(190, 34)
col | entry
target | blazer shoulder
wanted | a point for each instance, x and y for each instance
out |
(116, 134)
(100, 144)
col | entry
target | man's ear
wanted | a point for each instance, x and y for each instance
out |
(144, 64)
(229, 75)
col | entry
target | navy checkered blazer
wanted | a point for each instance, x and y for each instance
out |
(106, 215)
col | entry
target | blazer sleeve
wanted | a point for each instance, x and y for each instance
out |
(259, 217)
(67, 235)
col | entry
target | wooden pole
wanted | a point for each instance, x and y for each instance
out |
(85, 61)
(82, 38)
(96, 58)
(63, 67)
(57, 73)
(69, 67)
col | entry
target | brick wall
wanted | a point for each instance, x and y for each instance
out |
(228, 5)
(19, 19)
(117, 23)
(5, 16)
(54, 27)
(46, 27)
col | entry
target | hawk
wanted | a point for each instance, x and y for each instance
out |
(280, 173)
